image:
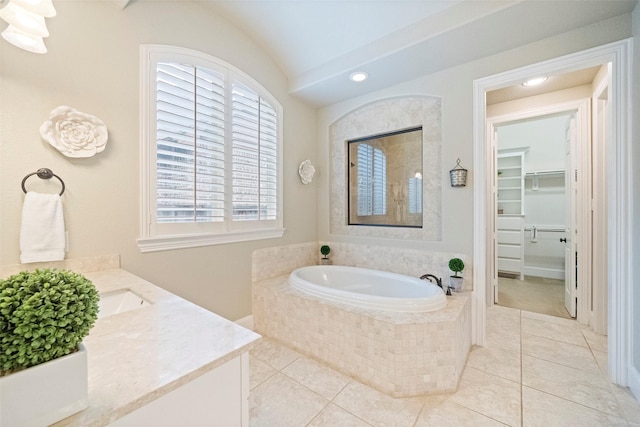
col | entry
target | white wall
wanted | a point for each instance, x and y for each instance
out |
(635, 296)
(93, 65)
(455, 86)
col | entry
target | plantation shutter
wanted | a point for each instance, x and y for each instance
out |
(190, 154)
(254, 156)
(372, 181)
(415, 195)
(379, 182)
(365, 183)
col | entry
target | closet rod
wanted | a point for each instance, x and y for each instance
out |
(548, 229)
(547, 172)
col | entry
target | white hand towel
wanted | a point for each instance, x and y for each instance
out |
(42, 236)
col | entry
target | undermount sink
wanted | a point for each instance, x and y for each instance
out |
(120, 301)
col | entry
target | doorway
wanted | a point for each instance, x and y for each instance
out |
(535, 214)
(619, 177)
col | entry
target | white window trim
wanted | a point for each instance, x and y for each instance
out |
(148, 241)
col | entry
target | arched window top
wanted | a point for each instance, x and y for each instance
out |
(211, 152)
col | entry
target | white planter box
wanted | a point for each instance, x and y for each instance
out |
(456, 283)
(46, 393)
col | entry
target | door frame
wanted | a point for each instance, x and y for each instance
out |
(582, 110)
(619, 203)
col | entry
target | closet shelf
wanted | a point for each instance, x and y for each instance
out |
(511, 180)
(535, 176)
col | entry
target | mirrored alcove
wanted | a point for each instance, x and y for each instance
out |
(376, 122)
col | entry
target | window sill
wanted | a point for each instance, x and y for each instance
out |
(167, 243)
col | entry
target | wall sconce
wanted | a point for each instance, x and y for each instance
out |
(26, 23)
(458, 175)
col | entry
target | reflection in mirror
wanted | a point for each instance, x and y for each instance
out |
(385, 179)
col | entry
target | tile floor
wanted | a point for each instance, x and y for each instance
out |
(536, 370)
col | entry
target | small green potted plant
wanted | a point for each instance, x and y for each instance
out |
(456, 265)
(44, 315)
(325, 250)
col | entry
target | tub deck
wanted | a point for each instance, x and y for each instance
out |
(400, 354)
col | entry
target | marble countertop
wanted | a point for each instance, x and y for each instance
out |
(137, 356)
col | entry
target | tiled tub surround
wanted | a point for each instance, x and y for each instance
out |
(400, 354)
(280, 260)
(142, 355)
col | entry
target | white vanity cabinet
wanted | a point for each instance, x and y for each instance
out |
(218, 398)
(511, 244)
(169, 363)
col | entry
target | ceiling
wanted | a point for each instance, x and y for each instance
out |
(552, 84)
(319, 43)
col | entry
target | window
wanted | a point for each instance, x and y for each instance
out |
(372, 181)
(211, 153)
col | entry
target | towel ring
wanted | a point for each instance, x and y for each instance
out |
(43, 173)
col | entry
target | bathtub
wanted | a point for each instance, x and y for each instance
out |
(368, 288)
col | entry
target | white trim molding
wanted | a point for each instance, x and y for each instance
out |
(619, 202)
(167, 243)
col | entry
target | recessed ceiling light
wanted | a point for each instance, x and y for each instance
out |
(535, 81)
(359, 76)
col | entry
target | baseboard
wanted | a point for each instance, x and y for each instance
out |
(634, 382)
(246, 322)
(548, 273)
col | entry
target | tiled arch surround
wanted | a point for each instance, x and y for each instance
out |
(385, 116)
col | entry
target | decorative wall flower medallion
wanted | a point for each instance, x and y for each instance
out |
(73, 133)
(306, 171)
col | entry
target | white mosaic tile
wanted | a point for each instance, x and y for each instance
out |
(275, 261)
(401, 354)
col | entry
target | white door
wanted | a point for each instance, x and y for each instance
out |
(570, 249)
(494, 198)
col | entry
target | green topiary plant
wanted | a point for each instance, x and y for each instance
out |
(44, 314)
(456, 265)
(324, 250)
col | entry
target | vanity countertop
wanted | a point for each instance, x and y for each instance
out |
(137, 356)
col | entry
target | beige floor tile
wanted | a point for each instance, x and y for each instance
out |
(569, 333)
(282, 402)
(508, 343)
(602, 359)
(547, 318)
(334, 416)
(544, 410)
(559, 352)
(442, 412)
(501, 312)
(317, 377)
(503, 319)
(496, 361)
(596, 342)
(377, 408)
(586, 388)
(503, 328)
(630, 406)
(259, 372)
(273, 353)
(490, 395)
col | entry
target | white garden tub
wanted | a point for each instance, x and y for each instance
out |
(368, 288)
